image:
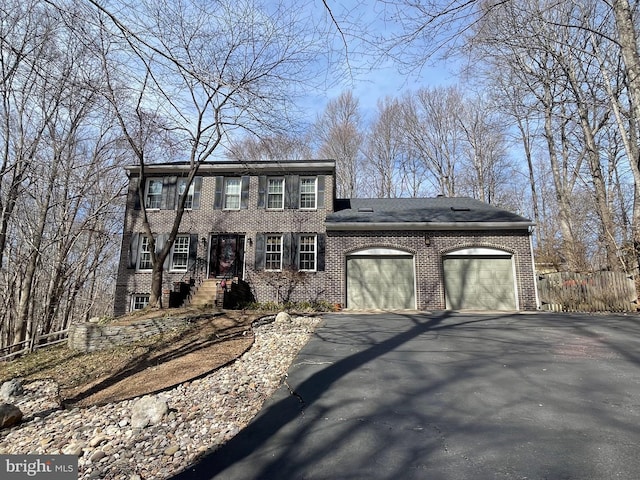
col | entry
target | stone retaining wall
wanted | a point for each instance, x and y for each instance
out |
(90, 337)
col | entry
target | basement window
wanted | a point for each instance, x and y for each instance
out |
(139, 301)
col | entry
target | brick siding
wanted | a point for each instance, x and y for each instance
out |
(266, 286)
(428, 259)
(329, 285)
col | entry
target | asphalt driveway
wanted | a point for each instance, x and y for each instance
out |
(450, 396)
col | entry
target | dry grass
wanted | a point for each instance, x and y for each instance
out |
(150, 365)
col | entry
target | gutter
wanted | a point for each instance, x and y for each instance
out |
(280, 167)
(415, 226)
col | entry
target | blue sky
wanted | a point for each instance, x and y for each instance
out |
(372, 85)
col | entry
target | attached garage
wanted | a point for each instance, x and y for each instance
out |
(479, 279)
(381, 279)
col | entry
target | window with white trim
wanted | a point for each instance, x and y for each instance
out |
(273, 253)
(307, 250)
(232, 188)
(144, 255)
(139, 301)
(308, 193)
(153, 198)
(182, 186)
(180, 253)
(275, 193)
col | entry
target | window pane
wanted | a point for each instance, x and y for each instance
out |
(307, 252)
(144, 258)
(139, 302)
(275, 193)
(180, 253)
(273, 253)
(308, 193)
(232, 193)
(154, 194)
(182, 185)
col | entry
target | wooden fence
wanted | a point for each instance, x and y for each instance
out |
(33, 344)
(588, 292)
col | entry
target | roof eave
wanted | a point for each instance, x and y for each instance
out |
(240, 167)
(377, 226)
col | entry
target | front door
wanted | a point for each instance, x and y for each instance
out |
(226, 256)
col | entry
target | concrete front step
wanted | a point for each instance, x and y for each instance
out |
(208, 293)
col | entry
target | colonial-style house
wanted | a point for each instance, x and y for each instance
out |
(273, 231)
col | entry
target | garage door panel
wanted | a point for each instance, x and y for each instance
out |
(381, 282)
(479, 283)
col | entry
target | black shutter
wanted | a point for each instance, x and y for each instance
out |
(133, 250)
(197, 187)
(321, 240)
(136, 193)
(260, 249)
(287, 247)
(262, 187)
(320, 199)
(292, 191)
(193, 252)
(168, 193)
(244, 195)
(161, 240)
(294, 251)
(217, 203)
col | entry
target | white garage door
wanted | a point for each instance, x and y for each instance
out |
(385, 282)
(479, 283)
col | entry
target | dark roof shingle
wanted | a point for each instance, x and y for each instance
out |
(439, 210)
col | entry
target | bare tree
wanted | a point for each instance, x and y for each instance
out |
(208, 70)
(386, 150)
(421, 30)
(57, 145)
(487, 170)
(277, 147)
(432, 127)
(339, 131)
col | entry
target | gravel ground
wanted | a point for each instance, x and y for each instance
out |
(203, 414)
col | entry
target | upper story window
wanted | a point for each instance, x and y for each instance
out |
(291, 192)
(153, 198)
(164, 193)
(273, 252)
(275, 193)
(180, 253)
(232, 193)
(144, 256)
(182, 187)
(308, 193)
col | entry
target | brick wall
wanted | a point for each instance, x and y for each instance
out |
(205, 221)
(428, 259)
(326, 285)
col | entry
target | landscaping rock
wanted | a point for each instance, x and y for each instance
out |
(10, 415)
(11, 389)
(283, 317)
(205, 413)
(148, 410)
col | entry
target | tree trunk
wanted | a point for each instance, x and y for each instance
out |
(569, 247)
(628, 42)
(595, 168)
